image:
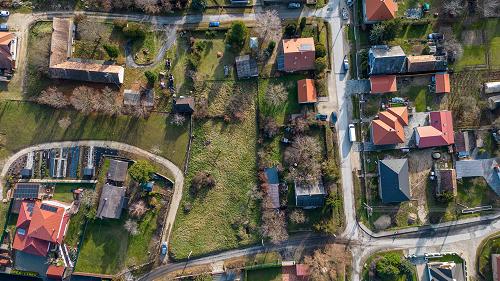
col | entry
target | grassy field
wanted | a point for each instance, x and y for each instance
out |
(266, 274)
(216, 220)
(63, 192)
(107, 247)
(146, 49)
(473, 55)
(25, 124)
(489, 247)
(290, 107)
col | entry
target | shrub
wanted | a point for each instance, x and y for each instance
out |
(120, 23)
(271, 46)
(237, 34)
(134, 30)
(199, 5)
(321, 64)
(151, 77)
(111, 50)
(290, 30)
(320, 50)
(202, 181)
(141, 171)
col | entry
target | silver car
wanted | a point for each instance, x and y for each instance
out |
(4, 14)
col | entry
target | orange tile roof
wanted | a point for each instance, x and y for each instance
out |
(306, 91)
(55, 272)
(297, 45)
(442, 83)
(299, 54)
(383, 84)
(6, 38)
(439, 132)
(378, 10)
(401, 113)
(47, 225)
(383, 134)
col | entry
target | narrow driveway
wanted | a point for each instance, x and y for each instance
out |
(176, 172)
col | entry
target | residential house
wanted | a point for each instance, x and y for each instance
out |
(446, 181)
(380, 84)
(383, 59)
(445, 271)
(184, 105)
(379, 10)
(464, 143)
(55, 272)
(8, 52)
(388, 128)
(309, 196)
(40, 226)
(117, 171)
(438, 133)
(425, 63)
(298, 54)
(394, 181)
(495, 264)
(24, 191)
(273, 184)
(442, 81)
(111, 202)
(246, 67)
(62, 66)
(306, 91)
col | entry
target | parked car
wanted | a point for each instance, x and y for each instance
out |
(435, 36)
(352, 133)
(345, 14)
(333, 118)
(214, 24)
(4, 27)
(4, 14)
(293, 5)
(321, 117)
(346, 63)
(164, 248)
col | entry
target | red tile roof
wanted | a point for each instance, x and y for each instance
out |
(439, 132)
(6, 59)
(302, 270)
(383, 84)
(47, 222)
(378, 10)
(306, 91)
(299, 54)
(442, 83)
(55, 272)
(388, 129)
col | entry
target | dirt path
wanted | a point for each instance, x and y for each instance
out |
(171, 36)
(420, 164)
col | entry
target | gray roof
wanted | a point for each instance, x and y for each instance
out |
(383, 59)
(131, 97)
(117, 170)
(446, 271)
(309, 189)
(184, 105)
(480, 168)
(272, 175)
(469, 168)
(111, 202)
(274, 193)
(246, 67)
(394, 181)
(149, 97)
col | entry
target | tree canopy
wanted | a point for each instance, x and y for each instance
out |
(237, 34)
(141, 171)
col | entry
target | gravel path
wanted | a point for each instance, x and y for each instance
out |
(170, 34)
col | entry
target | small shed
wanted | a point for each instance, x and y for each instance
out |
(117, 170)
(442, 83)
(494, 102)
(246, 67)
(184, 105)
(131, 97)
(148, 98)
(309, 196)
(254, 43)
(111, 202)
(446, 181)
(55, 272)
(306, 91)
(273, 190)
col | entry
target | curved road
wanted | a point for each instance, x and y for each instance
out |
(178, 175)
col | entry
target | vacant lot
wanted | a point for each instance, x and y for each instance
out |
(225, 216)
(291, 106)
(23, 124)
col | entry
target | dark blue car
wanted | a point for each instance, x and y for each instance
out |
(214, 24)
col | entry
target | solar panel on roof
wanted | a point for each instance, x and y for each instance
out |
(49, 208)
(30, 206)
(26, 191)
(306, 47)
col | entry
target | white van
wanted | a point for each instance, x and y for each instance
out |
(352, 133)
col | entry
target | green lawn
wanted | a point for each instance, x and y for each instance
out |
(484, 252)
(224, 217)
(63, 192)
(495, 51)
(147, 48)
(291, 106)
(107, 248)
(418, 95)
(415, 31)
(25, 124)
(475, 192)
(266, 274)
(473, 55)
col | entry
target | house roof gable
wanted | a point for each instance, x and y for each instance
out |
(383, 84)
(394, 180)
(306, 91)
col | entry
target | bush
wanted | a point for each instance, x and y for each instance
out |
(391, 266)
(111, 50)
(446, 197)
(320, 50)
(141, 171)
(290, 30)
(134, 30)
(202, 181)
(385, 31)
(151, 77)
(271, 46)
(321, 64)
(237, 34)
(302, 23)
(120, 23)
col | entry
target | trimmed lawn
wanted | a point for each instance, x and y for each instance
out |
(415, 31)
(418, 95)
(473, 55)
(39, 124)
(475, 192)
(63, 192)
(265, 274)
(226, 216)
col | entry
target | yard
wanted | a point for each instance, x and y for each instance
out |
(291, 106)
(264, 274)
(485, 250)
(63, 192)
(40, 124)
(372, 260)
(225, 216)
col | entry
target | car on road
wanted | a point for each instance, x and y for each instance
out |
(4, 14)
(164, 248)
(293, 5)
(345, 63)
(321, 117)
(214, 24)
(4, 27)
(345, 14)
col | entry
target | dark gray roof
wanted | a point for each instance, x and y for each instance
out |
(184, 105)
(131, 97)
(26, 191)
(309, 195)
(445, 271)
(394, 181)
(383, 59)
(148, 98)
(469, 168)
(117, 170)
(246, 67)
(111, 202)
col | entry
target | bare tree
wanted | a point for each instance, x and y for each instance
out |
(148, 6)
(491, 8)
(328, 264)
(131, 227)
(268, 26)
(64, 123)
(88, 198)
(269, 127)
(85, 99)
(166, 6)
(300, 125)
(108, 104)
(303, 158)
(137, 209)
(53, 97)
(276, 95)
(298, 216)
(274, 225)
(178, 120)
(454, 8)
